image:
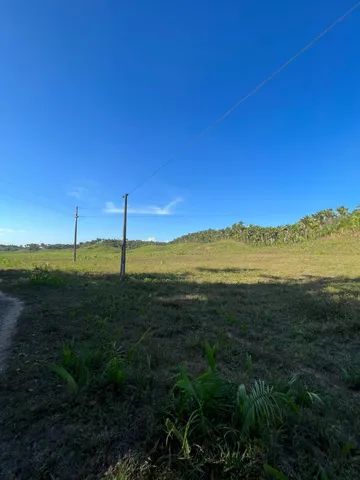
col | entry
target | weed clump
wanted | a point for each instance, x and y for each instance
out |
(84, 368)
(351, 376)
(87, 368)
(43, 275)
(220, 429)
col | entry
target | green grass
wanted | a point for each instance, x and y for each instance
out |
(273, 312)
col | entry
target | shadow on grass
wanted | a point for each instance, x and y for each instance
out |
(226, 270)
(309, 327)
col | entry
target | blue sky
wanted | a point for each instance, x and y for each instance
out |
(95, 95)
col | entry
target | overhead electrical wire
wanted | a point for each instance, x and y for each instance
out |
(175, 215)
(254, 91)
(216, 122)
(36, 203)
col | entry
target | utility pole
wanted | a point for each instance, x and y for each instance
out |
(75, 232)
(123, 246)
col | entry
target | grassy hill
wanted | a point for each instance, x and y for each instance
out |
(96, 386)
(336, 254)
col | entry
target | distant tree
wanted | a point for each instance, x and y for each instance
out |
(343, 211)
(32, 246)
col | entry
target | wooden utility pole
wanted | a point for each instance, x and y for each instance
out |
(75, 232)
(123, 246)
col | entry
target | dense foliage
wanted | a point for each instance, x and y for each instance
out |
(8, 248)
(310, 227)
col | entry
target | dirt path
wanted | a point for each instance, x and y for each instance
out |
(10, 309)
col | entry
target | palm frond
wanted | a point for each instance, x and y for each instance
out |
(114, 373)
(210, 355)
(66, 376)
(258, 406)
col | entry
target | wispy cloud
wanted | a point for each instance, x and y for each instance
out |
(111, 208)
(84, 189)
(167, 209)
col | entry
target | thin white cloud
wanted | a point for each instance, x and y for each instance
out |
(151, 239)
(110, 207)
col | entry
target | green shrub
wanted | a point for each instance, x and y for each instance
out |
(43, 275)
(84, 368)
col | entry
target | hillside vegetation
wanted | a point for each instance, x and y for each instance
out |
(310, 227)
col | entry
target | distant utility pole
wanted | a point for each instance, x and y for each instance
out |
(123, 246)
(75, 231)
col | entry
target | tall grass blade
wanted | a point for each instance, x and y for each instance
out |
(274, 473)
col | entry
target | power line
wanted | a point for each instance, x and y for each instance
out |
(255, 90)
(173, 216)
(134, 215)
(48, 205)
(34, 204)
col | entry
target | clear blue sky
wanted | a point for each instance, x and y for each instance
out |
(95, 95)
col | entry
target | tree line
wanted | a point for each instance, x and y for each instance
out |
(98, 241)
(322, 223)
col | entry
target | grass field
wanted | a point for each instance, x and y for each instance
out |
(272, 312)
